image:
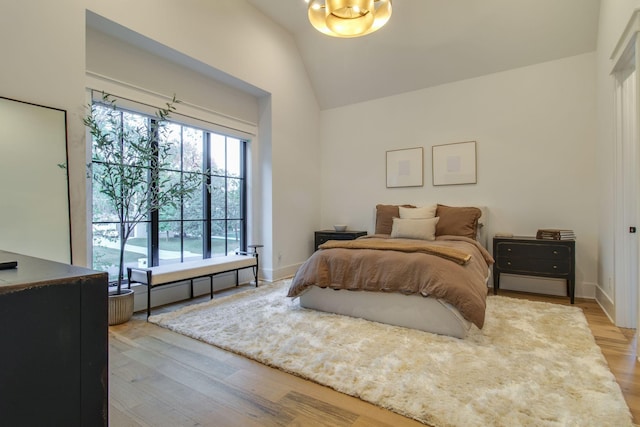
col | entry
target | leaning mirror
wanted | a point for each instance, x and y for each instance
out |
(34, 218)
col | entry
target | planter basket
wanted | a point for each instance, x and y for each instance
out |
(120, 306)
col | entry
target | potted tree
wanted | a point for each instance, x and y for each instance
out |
(124, 169)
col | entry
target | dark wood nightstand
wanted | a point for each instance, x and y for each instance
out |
(324, 235)
(529, 256)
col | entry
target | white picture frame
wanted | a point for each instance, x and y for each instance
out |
(405, 167)
(454, 164)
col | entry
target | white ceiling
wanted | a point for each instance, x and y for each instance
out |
(431, 42)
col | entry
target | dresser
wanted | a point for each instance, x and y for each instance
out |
(54, 354)
(324, 235)
(529, 256)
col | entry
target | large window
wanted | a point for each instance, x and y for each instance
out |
(213, 223)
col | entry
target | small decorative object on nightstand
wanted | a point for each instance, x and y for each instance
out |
(529, 256)
(324, 235)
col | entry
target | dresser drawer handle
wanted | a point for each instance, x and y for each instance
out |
(508, 262)
(555, 252)
(555, 267)
(508, 249)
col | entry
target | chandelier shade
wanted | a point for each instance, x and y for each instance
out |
(348, 18)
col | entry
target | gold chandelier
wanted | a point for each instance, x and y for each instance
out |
(348, 18)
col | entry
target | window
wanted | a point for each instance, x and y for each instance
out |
(213, 223)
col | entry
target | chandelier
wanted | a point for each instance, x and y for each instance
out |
(348, 18)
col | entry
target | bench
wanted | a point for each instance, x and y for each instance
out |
(180, 272)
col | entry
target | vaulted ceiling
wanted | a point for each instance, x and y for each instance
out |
(431, 42)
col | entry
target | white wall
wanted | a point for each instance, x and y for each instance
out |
(45, 63)
(614, 15)
(157, 75)
(535, 129)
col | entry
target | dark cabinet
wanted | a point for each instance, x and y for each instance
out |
(529, 256)
(324, 235)
(54, 354)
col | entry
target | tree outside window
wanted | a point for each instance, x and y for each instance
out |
(212, 223)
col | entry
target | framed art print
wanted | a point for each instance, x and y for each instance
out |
(454, 163)
(404, 168)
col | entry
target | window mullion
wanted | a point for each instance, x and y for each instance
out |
(243, 196)
(155, 215)
(226, 197)
(182, 233)
(206, 195)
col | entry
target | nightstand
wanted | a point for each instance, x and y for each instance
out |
(324, 235)
(528, 256)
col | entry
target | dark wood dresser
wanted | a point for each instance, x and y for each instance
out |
(529, 256)
(324, 235)
(54, 353)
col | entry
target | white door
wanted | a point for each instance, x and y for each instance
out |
(626, 256)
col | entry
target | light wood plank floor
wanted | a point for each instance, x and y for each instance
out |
(160, 378)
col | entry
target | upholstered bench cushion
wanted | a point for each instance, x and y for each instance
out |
(170, 273)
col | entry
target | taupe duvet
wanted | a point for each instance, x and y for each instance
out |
(452, 268)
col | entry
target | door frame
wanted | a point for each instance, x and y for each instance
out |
(625, 73)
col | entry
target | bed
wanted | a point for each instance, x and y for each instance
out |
(424, 268)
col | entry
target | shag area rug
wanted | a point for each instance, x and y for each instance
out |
(533, 364)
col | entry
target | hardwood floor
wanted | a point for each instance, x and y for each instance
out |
(161, 378)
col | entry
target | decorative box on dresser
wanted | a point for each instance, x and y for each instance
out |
(54, 354)
(324, 235)
(529, 256)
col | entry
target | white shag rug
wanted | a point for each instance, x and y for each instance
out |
(533, 364)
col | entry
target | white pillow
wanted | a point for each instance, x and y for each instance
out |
(422, 229)
(424, 212)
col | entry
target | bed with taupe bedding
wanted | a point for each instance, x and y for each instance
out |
(411, 273)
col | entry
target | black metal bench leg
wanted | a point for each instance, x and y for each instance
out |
(148, 294)
(256, 268)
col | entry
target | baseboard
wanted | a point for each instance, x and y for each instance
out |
(606, 303)
(543, 285)
(281, 273)
(586, 290)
